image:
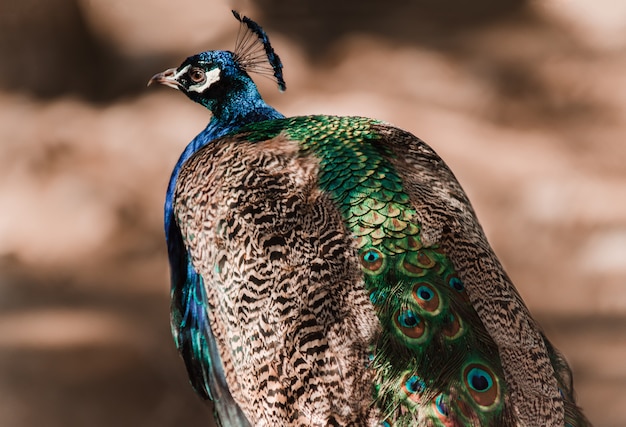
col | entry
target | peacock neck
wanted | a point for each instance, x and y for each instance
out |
(240, 105)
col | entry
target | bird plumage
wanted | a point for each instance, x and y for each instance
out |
(331, 271)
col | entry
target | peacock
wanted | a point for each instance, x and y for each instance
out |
(330, 270)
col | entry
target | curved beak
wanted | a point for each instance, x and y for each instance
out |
(167, 78)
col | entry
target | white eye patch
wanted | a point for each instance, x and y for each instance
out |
(181, 72)
(211, 77)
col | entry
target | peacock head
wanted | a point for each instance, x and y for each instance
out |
(212, 76)
(205, 77)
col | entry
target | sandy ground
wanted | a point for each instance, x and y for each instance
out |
(526, 101)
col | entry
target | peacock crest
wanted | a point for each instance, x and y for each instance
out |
(254, 53)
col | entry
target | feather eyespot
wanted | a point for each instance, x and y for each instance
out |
(413, 242)
(409, 324)
(451, 329)
(426, 296)
(443, 411)
(456, 284)
(417, 263)
(413, 269)
(197, 75)
(481, 384)
(424, 260)
(372, 259)
(414, 384)
(425, 293)
(413, 387)
(408, 319)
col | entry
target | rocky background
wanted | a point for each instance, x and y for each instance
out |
(525, 100)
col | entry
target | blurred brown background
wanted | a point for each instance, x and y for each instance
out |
(525, 100)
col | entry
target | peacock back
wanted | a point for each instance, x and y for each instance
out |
(348, 282)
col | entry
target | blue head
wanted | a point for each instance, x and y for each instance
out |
(219, 79)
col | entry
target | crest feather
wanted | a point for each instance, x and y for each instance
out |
(254, 53)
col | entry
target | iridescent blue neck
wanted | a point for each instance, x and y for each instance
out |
(234, 110)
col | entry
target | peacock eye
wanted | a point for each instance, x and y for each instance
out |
(197, 75)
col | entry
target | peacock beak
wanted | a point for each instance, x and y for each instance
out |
(167, 78)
